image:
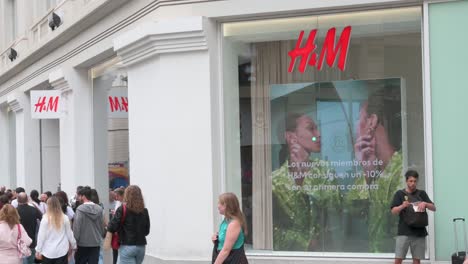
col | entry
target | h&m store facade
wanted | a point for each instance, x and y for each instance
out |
(309, 111)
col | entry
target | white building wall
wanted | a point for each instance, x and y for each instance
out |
(50, 151)
(4, 146)
(179, 119)
(27, 143)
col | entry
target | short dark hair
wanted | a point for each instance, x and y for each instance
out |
(4, 199)
(120, 191)
(411, 173)
(19, 190)
(86, 192)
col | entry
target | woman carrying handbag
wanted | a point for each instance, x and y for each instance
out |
(134, 227)
(229, 240)
(14, 241)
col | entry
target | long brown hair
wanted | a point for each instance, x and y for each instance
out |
(54, 212)
(233, 210)
(134, 199)
(9, 214)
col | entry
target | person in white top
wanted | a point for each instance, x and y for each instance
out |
(66, 209)
(43, 199)
(41, 206)
(55, 235)
(119, 194)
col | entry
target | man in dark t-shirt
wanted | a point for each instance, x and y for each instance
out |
(29, 217)
(408, 236)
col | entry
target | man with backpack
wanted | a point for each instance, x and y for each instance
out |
(411, 204)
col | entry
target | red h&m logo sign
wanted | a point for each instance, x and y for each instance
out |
(117, 103)
(308, 56)
(46, 104)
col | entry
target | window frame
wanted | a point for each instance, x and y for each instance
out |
(425, 111)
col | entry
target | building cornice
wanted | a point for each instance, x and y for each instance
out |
(14, 103)
(69, 32)
(166, 36)
(58, 82)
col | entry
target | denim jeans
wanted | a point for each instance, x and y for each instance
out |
(30, 259)
(131, 254)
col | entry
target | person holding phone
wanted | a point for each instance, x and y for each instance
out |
(410, 236)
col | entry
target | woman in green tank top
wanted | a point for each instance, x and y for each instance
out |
(229, 240)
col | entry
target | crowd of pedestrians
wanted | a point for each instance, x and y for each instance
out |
(61, 230)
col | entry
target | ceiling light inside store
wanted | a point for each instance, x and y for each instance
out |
(364, 23)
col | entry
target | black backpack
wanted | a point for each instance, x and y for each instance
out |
(412, 218)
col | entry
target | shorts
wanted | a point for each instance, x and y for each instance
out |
(417, 245)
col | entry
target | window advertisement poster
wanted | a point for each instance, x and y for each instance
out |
(337, 151)
(118, 174)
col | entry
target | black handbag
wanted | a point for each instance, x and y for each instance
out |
(415, 219)
(236, 256)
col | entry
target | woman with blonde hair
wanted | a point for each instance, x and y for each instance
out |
(229, 240)
(11, 230)
(131, 221)
(55, 235)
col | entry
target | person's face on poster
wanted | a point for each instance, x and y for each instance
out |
(365, 134)
(367, 123)
(307, 134)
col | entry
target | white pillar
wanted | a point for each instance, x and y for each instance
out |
(76, 145)
(174, 132)
(4, 147)
(28, 167)
(3, 33)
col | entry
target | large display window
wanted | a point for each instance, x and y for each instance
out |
(324, 113)
(111, 133)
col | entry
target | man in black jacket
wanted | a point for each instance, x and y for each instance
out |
(29, 216)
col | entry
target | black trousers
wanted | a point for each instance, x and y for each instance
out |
(115, 255)
(87, 255)
(61, 260)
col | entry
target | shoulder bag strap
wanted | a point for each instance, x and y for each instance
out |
(415, 194)
(19, 231)
(124, 208)
(418, 194)
(124, 213)
(404, 191)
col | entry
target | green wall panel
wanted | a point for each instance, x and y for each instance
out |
(448, 32)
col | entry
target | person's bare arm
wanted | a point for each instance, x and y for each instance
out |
(397, 209)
